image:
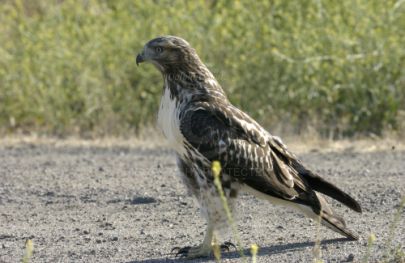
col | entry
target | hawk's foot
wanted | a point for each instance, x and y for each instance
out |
(200, 251)
(227, 245)
(193, 252)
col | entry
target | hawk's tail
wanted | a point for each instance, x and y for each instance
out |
(330, 219)
(337, 224)
(319, 184)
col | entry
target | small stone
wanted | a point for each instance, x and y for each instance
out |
(350, 258)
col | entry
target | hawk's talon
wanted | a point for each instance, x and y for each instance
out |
(191, 252)
(181, 251)
(227, 245)
(173, 249)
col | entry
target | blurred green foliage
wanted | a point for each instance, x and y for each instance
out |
(69, 66)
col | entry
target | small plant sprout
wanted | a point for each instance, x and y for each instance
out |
(371, 240)
(253, 250)
(29, 249)
(216, 171)
(317, 247)
(392, 231)
(216, 249)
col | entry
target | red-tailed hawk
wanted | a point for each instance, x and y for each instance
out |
(203, 126)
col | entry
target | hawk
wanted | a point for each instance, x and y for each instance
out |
(202, 126)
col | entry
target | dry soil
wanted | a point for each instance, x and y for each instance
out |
(127, 204)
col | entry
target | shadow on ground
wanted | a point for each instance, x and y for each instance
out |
(263, 251)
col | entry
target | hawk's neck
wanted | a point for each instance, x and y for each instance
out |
(187, 86)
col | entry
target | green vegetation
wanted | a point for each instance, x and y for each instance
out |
(370, 243)
(69, 66)
(29, 250)
(216, 171)
(397, 252)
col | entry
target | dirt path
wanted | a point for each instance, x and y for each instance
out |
(126, 204)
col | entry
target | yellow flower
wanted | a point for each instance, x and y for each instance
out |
(216, 168)
(371, 238)
(253, 250)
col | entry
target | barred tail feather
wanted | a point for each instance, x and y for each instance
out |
(319, 208)
(329, 218)
(338, 225)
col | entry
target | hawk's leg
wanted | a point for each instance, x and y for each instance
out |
(202, 250)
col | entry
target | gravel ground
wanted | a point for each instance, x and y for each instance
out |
(126, 204)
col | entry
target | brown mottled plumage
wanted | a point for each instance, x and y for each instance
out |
(202, 126)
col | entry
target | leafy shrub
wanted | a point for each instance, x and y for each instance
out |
(68, 66)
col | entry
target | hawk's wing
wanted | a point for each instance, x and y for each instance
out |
(252, 156)
(246, 151)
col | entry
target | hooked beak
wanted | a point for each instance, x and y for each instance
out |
(139, 59)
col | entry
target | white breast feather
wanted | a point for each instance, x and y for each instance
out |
(169, 123)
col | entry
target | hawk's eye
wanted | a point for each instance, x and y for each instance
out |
(158, 49)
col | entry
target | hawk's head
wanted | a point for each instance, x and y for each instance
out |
(170, 53)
